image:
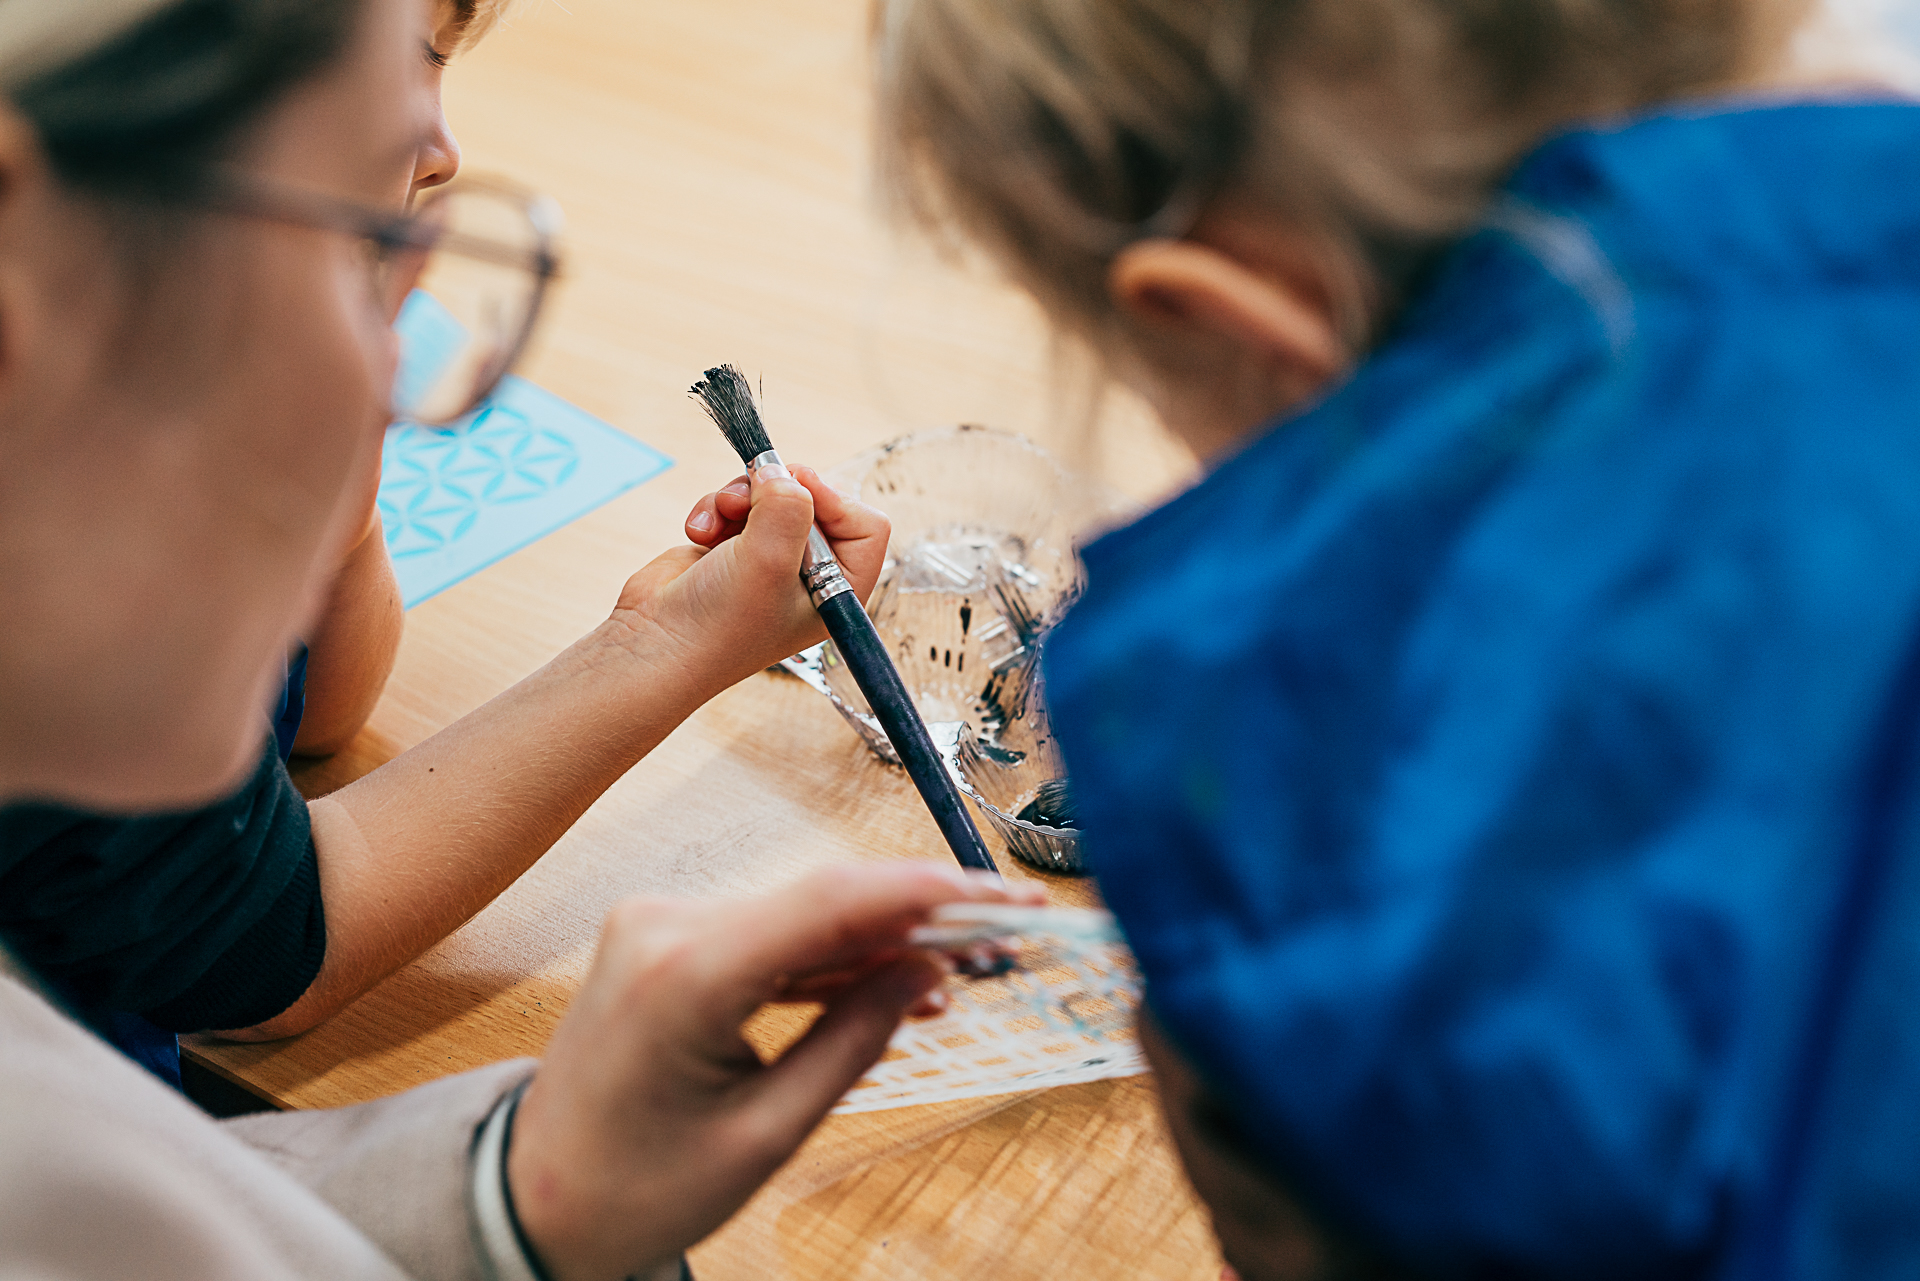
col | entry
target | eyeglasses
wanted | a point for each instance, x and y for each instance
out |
(465, 271)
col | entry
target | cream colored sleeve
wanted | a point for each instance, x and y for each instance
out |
(400, 1169)
(106, 1173)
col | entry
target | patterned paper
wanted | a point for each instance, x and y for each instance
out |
(1065, 1016)
(456, 499)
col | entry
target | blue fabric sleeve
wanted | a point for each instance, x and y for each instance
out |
(1474, 761)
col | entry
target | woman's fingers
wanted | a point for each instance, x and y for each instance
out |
(837, 918)
(649, 1064)
(824, 990)
(848, 1038)
(822, 985)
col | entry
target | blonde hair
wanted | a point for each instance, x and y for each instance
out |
(478, 17)
(1055, 132)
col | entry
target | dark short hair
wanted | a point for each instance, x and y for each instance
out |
(152, 109)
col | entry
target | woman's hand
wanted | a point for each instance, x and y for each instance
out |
(652, 1120)
(733, 604)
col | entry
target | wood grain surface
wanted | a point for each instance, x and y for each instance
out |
(711, 159)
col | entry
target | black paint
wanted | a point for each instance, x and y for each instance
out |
(1051, 807)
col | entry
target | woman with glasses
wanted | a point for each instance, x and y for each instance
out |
(199, 263)
(259, 915)
(81, 890)
(339, 670)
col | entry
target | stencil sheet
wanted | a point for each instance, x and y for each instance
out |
(1066, 1016)
(456, 499)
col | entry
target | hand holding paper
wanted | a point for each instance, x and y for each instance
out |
(649, 1064)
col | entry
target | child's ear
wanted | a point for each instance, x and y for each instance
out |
(1197, 291)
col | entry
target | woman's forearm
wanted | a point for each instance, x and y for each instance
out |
(416, 848)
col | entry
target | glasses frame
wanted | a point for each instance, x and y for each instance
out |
(395, 233)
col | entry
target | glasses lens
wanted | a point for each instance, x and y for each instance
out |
(472, 301)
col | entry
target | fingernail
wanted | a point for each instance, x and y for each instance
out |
(937, 1000)
(700, 522)
(775, 471)
(739, 489)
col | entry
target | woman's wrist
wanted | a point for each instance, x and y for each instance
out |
(505, 1252)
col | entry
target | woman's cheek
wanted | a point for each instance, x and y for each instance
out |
(335, 373)
(365, 413)
(364, 360)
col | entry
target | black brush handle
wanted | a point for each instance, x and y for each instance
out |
(872, 667)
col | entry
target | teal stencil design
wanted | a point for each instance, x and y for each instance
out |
(456, 499)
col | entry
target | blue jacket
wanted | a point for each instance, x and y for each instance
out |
(1502, 770)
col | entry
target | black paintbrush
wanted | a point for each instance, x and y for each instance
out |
(729, 401)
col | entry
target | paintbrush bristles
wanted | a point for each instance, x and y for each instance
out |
(728, 400)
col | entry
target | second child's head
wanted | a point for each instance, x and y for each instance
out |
(1227, 197)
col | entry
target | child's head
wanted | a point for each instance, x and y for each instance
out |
(1330, 145)
(456, 25)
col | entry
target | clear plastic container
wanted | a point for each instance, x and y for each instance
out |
(981, 562)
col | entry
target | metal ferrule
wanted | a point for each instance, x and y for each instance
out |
(820, 572)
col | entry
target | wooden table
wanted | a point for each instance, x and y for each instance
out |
(711, 158)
